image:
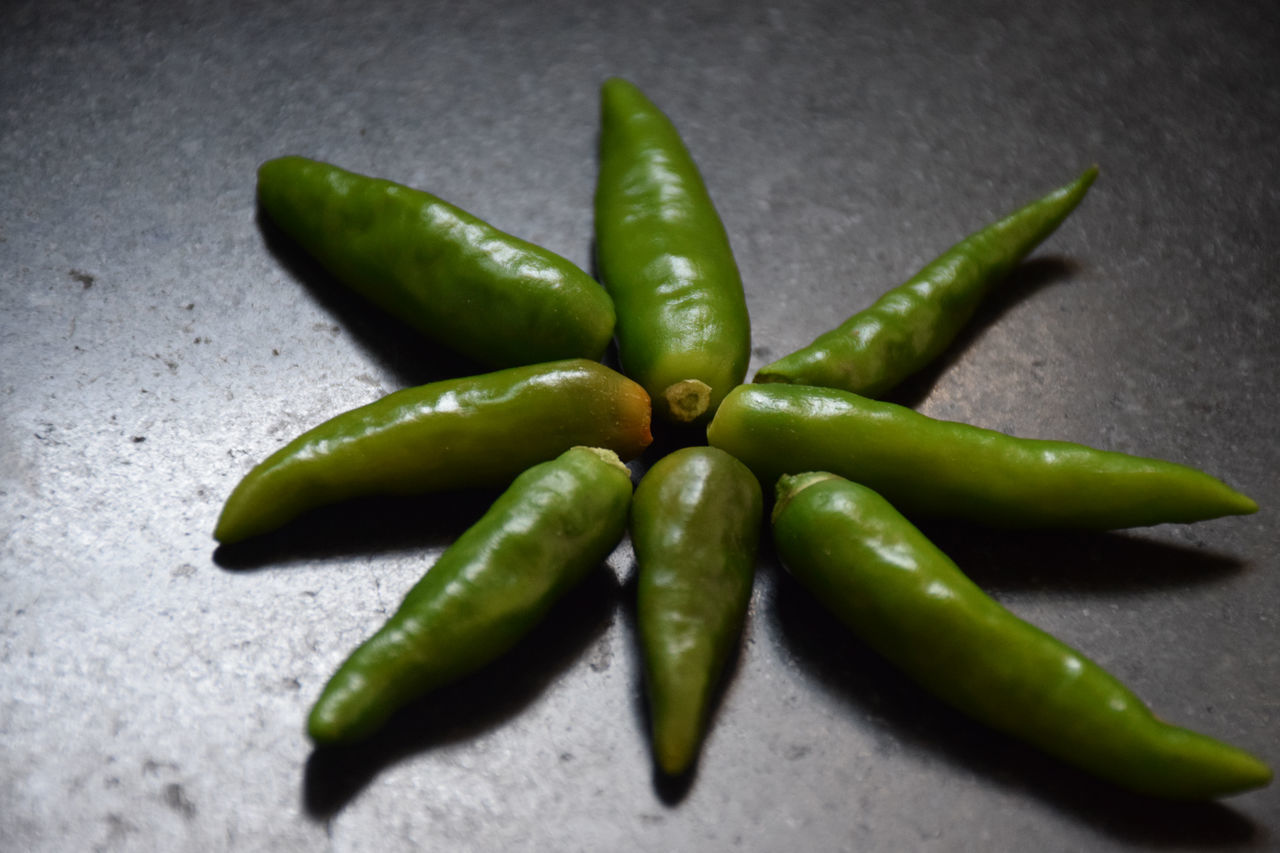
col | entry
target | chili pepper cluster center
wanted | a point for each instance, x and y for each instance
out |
(553, 427)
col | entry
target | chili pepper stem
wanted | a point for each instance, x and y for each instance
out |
(687, 400)
(664, 256)
(790, 485)
(607, 455)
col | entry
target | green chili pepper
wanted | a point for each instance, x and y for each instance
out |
(458, 280)
(556, 522)
(695, 524)
(931, 468)
(479, 431)
(683, 330)
(909, 602)
(911, 325)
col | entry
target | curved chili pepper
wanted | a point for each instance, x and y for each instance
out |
(911, 325)
(932, 468)
(460, 433)
(557, 522)
(683, 330)
(695, 525)
(909, 602)
(463, 283)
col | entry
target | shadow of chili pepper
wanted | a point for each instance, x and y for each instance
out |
(851, 672)
(392, 344)
(668, 438)
(1081, 561)
(1028, 278)
(479, 702)
(367, 526)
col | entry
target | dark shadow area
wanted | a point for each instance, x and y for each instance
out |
(381, 525)
(593, 256)
(395, 346)
(668, 438)
(1025, 281)
(1083, 561)
(878, 694)
(479, 702)
(671, 790)
(610, 357)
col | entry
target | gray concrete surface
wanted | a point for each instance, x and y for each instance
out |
(155, 343)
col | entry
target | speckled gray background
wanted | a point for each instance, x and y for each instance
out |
(155, 342)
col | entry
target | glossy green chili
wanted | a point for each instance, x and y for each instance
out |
(932, 468)
(683, 330)
(911, 325)
(909, 602)
(557, 521)
(480, 431)
(458, 280)
(695, 525)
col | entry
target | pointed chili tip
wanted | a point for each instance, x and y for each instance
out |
(248, 511)
(674, 759)
(1221, 499)
(615, 88)
(1075, 191)
(1245, 505)
(674, 768)
(1253, 772)
(622, 100)
(321, 729)
(229, 528)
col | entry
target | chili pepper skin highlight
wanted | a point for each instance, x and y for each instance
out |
(558, 521)
(912, 324)
(479, 431)
(929, 468)
(495, 298)
(683, 330)
(909, 602)
(695, 526)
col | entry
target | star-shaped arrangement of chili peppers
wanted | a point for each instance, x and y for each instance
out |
(554, 426)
